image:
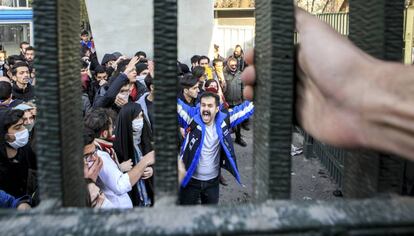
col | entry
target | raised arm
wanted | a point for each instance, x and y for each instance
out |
(240, 113)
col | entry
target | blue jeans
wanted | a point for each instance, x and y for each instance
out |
(196, 190)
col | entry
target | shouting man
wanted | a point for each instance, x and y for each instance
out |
(208, 147)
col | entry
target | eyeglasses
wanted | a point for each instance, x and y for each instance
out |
(88, 155)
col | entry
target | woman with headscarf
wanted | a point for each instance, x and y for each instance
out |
(132, 141)
(17, 159)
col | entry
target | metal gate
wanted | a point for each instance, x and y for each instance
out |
(227, 37)
(59, 142)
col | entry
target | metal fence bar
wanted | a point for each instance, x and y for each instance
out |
(376, 27)
(338, 21)
(59, 139)
(273, 127)
(367, 217)
(165, 103)
(394, 30)
(331, 159)
(377, 217)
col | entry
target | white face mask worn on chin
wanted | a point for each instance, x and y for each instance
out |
(29, 127)
(22, 138)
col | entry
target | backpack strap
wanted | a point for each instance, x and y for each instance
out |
(191, 127)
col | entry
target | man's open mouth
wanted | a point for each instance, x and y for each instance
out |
(206, 114)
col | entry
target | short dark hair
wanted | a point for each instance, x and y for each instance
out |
(210, 95)
(12, 117)
(88, 136)
(198, 71)
(84, 32)
(231, 58)
(217, 60)
(84, 49)
(13, 59)
(141, 53)
(30, 48)
(188, 81)
(17, 65)
(194, 59)
(202, 58)
(99, 70)
(140, 67)
(5, 90)
(148, 81)
(84, 64)
(182, 68)
(97, 121)
(23, 43)
(209, 81)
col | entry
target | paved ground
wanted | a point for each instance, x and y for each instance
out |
(310, 181)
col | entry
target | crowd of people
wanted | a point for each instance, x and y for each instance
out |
(118, 117)
(347, 99)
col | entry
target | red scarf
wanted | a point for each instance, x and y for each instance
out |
(106, 146)
(134, 93)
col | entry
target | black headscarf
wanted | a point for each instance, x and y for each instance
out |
(124, 144)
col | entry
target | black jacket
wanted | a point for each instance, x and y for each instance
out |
(124, 144)
(17, 175)
(26, 95)
(106, 95)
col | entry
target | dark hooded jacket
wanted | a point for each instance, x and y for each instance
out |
(26, 95)
(124, 144)
(17, 174)
(106, 95)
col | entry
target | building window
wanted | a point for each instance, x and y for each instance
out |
(15, 3)
(11, 35)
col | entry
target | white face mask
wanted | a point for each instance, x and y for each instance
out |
(22, 138)
(124, 96)
(137, 125)
(141, 78)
